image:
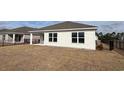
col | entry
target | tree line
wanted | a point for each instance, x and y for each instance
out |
(110, 36)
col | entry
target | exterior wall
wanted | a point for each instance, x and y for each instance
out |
(35, 36)
(8, 38)
(65, 40)
(96, 37)
(0, 37)
(27, 36)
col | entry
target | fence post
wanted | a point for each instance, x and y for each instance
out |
(123, 44)
(119, 44)
(116, 43)
(2, 42)
(111, 45)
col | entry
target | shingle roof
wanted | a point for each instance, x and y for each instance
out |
(62, 25)
(23, 30)
(66, 25)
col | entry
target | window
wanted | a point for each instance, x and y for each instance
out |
(52, 37)
(74, 34)
(78, 37)
(50, 34)
(81, 37)
(74, 37)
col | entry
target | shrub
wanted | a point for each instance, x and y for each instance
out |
(99, 47)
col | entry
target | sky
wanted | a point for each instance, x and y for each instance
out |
(102, 26)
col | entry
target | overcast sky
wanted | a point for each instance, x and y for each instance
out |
(103, 26)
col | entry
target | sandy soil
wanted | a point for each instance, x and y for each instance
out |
(43, 58)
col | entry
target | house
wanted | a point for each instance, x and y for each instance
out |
(63, 34)
(18, 35)
(67, 34)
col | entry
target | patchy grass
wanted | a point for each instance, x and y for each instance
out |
(26, 57)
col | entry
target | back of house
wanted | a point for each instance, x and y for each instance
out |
(68, 34)
(62, 34)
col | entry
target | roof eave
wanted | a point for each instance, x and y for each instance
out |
(14, 32)
(59, 30)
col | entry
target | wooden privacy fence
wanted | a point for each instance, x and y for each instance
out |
(119, 44)
(114, 44)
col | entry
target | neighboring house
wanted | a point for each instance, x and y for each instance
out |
(18, 35)
(64, 34)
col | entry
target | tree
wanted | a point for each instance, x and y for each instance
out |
(122, 36)
(100, 36)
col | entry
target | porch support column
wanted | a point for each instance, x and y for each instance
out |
(23, 37)
(31, 37)
(13, 39)
(6, 37)
(40, 38)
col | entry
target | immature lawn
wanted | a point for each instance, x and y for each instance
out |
(26, 57)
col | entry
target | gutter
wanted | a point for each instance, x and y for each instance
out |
(63, 30)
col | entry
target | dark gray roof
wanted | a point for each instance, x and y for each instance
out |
(20, 30)
(66, 25)
(62, 25)
(23, 29)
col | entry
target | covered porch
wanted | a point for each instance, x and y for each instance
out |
(12, 37)
(36, 38)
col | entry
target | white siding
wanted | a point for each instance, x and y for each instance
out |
(8, 38)
(65, 40)
(0, 37)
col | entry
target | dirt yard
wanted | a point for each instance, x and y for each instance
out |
(43, 58)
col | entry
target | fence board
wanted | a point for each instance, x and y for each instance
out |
(119, 44)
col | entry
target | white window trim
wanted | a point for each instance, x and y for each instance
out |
(78, 37)
(53, 37)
